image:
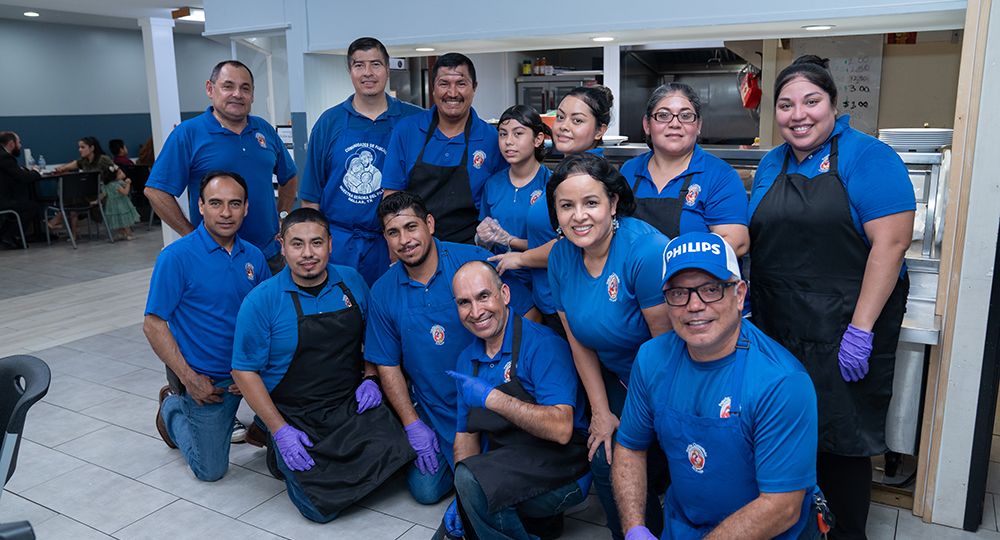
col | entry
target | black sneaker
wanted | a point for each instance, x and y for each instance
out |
(239, 432)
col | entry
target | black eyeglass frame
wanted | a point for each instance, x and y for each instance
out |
(671, 117)
(724, 284)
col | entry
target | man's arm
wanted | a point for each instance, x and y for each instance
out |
(628, 479)
(253, 389)
(394, 388)
(287, 194)
(310, 204)
(198, 386)
(767, 516)
(466, 445)
(550, 422)
(165, 205)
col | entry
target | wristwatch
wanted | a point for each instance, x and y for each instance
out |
(283, 215)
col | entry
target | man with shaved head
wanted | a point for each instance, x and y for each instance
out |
(520, 448)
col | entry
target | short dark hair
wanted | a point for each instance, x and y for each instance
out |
(528, 117)
(399, 201)
(235, 63)
(599, 99)
(453, 60)
(304, 215)
(665, 90)
(92, 141)
(115, 146)
(813, 69)
(366, 44)
(597, 168)
(212, 175)
(6, 137)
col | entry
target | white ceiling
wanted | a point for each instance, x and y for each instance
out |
(104, 13)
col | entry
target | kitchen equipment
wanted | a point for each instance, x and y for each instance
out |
(916, 139)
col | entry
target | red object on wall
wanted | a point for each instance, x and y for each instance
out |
(908, 38)
(750, 88)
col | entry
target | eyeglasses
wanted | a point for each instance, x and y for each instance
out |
(684, 117)
(708, 293)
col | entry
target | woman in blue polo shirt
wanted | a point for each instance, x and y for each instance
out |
(510, 193)
(679, 187)
(831, 217)
(606, 273)
(582, 118)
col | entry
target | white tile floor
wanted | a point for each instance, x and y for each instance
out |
(91, 464)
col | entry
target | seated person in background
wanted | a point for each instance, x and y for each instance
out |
(15, 187)
(146, 153)
(297, 358)
(734, 412)
(195, 294)
(119, 153)
(521, 447)
(92, 158)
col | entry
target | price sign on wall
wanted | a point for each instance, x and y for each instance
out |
(856, 66)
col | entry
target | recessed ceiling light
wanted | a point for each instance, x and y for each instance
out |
(818, 27)
(424, 49)
(602, 39)
(31, 14)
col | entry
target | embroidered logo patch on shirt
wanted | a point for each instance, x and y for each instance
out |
(249, 270)
(696, 456)
(613, 287)
(824, 166)
(478, 158)
(437, 333)
(347, 301)
(692, 194)
(535, 195)
(260, 140)
(724, 406)
(506, 372)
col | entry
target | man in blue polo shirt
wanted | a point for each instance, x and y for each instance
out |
(195, 294)
(520, 446)
(347, 147)
(446, 154)
(413, 325)
(734, 412)
(226, 137)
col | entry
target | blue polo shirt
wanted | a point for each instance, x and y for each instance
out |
(540, 232)
(605, 312)
(777, 411)
(201, 145)
(197, 287)
(338, 136)
(267, 329)
(544, 366)
(509, 205)
(416, 326)
(408, 138)
(715, 196)
(874, 176)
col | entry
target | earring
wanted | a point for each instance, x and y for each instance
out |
(614, 224)
(559, 231)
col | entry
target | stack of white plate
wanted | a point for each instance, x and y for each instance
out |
(916, 139)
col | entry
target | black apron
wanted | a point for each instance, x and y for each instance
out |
(446, 192)
(664, 213)
(354, 453)
(518, 465)
(808, 261)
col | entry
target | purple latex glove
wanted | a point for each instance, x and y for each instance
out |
(425, 443)
(855, 348)
(368, 395)
(639, 532)
(292, 445)
(473, 390)
(452, 521)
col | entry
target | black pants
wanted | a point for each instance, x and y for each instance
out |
(847, 483)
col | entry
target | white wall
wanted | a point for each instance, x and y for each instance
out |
(327, 84)
(495, 73)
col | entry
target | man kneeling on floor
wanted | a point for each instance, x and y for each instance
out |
(195, 293)
(297, 359)
(520, 449)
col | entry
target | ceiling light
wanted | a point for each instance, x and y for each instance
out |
(31, 14)
(188, 14)
(602, 39)
(424, 49)
(818, 27)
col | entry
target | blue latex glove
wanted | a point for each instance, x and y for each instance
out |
(639, 532)
(452, 521)
(368, 395)
(473, 390)
(425, 443)
(291, 444)
(855, 348)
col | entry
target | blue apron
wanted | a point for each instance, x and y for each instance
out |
(351, 196)
(712, 469)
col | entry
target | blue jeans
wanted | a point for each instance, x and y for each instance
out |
(202, 433)
(507, 522)
(297, 494)
(430, 488)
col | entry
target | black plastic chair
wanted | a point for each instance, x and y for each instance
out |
(78, 192)
(20, 530)
(139, 175)
(23, 381)
(20, 228)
